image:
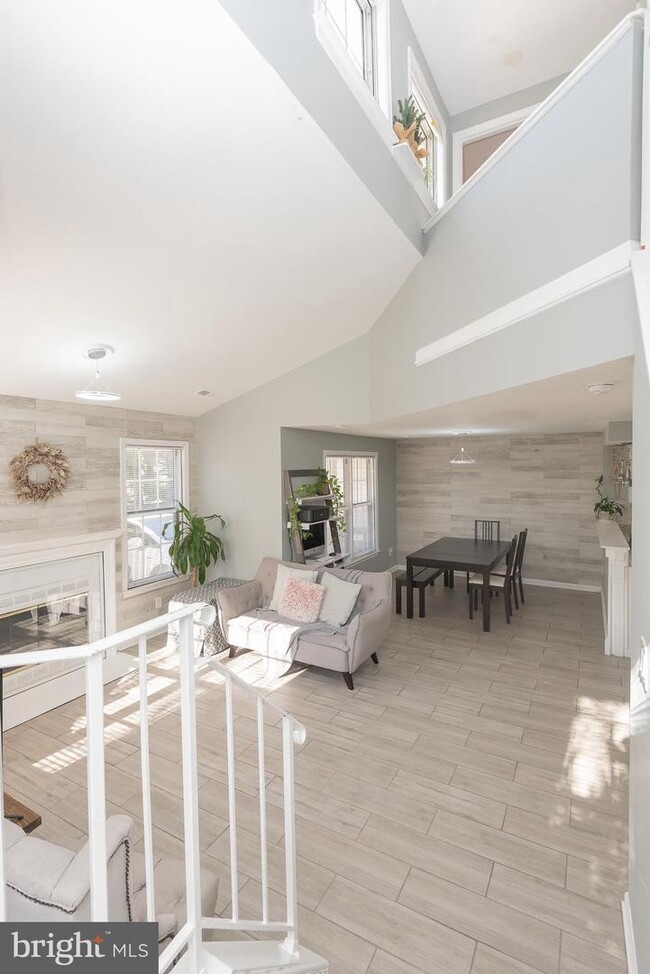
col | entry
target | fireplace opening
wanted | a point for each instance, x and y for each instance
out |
(50, 624)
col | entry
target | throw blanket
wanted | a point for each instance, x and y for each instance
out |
(282, 636)
(282, 641)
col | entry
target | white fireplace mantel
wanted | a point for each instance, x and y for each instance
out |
(27, 550)
(27, 542)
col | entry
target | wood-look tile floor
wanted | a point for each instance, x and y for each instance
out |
(463, 810)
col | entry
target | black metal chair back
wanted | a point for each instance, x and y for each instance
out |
(523, 537)
(511, 558)
(487, 530)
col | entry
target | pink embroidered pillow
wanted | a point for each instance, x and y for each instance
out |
(301, 600)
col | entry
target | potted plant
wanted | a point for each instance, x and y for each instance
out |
(194, 548)
(407, 127)
(605, 507)
(326, 485)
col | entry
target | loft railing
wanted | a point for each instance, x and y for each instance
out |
(571, 80)
(189, 939)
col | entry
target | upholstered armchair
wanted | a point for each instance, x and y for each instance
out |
(46, 882)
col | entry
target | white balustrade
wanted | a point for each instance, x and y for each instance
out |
(198, 956)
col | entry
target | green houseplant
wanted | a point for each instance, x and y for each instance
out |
(194, 548)
(407, 126)
(605, 504)
(325, 485)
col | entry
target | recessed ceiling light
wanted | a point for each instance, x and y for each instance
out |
(204, 392)
(600, 388)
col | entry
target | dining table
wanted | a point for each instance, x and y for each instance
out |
(458, 554)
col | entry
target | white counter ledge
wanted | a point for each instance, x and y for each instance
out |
(616, 587)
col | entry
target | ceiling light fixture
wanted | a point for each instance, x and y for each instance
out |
(463, 458)
(600, 388)
(97, 390)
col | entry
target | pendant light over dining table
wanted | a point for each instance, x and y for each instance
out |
(463, 458)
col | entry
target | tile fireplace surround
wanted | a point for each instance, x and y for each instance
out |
(70, 574)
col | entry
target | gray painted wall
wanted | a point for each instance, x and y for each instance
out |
(283, 32)
(503, 106)
(302, 448)
(640, 701)
(596, 326)
(559, 198)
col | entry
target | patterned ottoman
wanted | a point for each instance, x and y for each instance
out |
(207, 639)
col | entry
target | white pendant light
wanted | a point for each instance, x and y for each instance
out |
(463, 457)
(97, 390)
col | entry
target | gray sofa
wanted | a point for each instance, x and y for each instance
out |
(248, 623)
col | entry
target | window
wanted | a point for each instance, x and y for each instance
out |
(433, 130)
(354, 22)
(430, 137)
(357, 474)
(355, 35)
(154, 477)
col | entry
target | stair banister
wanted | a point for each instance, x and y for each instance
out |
(198, 957)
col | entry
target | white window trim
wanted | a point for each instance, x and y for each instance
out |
(474, 132)
(144, 587)
(415, 71)
(377, 109)
(375, 456)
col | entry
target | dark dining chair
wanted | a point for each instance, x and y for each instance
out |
(487, 530)
(516, 573)
(498, 583)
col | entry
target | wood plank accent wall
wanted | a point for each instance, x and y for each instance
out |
(542, 482)
(90, 437)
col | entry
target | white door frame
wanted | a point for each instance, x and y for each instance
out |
(475, 132)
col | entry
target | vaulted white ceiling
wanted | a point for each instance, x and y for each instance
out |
(479, 50)
(162, 191)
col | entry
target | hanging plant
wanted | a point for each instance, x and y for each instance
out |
(39, 472)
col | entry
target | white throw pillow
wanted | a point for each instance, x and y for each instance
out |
(281, 578)
(340, 599)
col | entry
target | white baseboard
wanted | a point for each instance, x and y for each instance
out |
(630, 949)
(542, 582)
(570, 586)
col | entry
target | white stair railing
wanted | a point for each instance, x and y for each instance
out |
(198, 956)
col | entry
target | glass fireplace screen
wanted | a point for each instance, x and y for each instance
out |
(50, 624)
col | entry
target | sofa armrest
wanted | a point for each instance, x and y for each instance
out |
(367, 632)
(73, 885)
(233, 602)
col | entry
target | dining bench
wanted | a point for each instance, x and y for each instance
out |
(421, 580)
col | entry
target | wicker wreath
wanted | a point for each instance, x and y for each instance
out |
(39, 472)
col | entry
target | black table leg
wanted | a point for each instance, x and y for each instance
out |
(486, 601)
(409, 589)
